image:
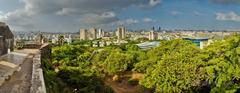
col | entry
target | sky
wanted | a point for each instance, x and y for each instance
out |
(71, 15)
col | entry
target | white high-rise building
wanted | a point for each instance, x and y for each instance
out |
(120, 33)
(54, 39)
(100, 33)
(69, 39)
(92, 33)
(83, 34)
(152, 35)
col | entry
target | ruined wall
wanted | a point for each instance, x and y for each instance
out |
(38, 83)
(7, 39)
(46, 51)
(2, 46)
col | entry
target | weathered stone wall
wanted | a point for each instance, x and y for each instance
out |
(8, 38)
(46, 51)
(32, 46)
(38, 84)
(2, 47)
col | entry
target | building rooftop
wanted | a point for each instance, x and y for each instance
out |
(148, 45)
(197, 38)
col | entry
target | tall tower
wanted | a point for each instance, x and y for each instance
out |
(100, 33)
(93, 33)
(83, 34)
(121, 31)
(159, 28)
(152, 35)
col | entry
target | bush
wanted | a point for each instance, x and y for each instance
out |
(132, 82)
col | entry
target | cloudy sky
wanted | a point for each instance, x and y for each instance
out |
(71, 15)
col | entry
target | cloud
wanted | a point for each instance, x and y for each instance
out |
(196, 13)
(95, 19)
(108, 14)
(1, 15)
(66, 11)
(20, 19)
(83, 6)
(154, 2)
(175, 13)
(127, 21)
(231, 16)
(88, 12)
(149, 20)
(225, 1)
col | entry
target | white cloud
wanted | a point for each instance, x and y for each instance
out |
(66, 11)
(77, 7)
(88, 11)
(197, 13)
(20, 19)
(175, 13)
(127, 21)
(108, 14)
(225, 1)
(148, 20)
(231, 16)
(154, 2)
(95, 19)
(1, 15)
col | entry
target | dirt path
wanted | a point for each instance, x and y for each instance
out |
(121, 87)
(20, 81)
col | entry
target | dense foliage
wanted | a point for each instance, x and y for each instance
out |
(223, 67)
(174, 66)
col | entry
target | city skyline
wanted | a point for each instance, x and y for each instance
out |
(71, 15)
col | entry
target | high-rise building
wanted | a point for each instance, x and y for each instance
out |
(100, 33)
(92, 33)
(159, 28)
(120, 33)
(83, 34)
(69, 39)
(152, 35)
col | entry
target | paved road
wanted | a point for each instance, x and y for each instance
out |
(20, 82)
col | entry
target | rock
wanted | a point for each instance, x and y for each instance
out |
(115, 78)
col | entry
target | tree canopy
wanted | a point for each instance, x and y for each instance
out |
(175, 66)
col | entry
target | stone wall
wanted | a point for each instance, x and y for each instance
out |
(46, 51)
(38, 84)
(7, 38)
(2, 46)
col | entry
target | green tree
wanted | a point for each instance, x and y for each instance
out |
(179, 68)
(117, 62)
(223, 67)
